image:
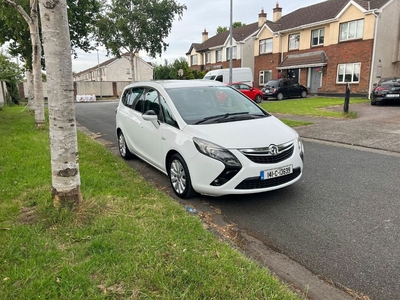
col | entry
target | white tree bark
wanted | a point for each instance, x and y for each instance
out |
(32, 21)
(31, 93)
(63, 135)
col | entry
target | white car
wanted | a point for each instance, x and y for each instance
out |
(207, 137)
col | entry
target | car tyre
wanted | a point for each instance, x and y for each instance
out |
(122, 147)
(373, 102)
(258, 99)
(279, 96)
(179, 177)
(303, 94)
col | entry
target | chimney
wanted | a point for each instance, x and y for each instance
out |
(204, 36)
(262, 17)
(277, 12)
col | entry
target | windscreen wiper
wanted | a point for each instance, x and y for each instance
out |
(221, 117)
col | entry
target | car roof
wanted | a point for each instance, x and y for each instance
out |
(167, 84)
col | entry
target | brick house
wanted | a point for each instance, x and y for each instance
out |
(213, 52)
(327, 45)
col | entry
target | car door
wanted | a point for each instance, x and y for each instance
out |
(150, 133)
(130, 112)
(245, 89)
(295, 90)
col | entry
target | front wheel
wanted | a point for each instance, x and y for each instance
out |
(258, 99)
(122, 147)
(279, 96)
(179, 177)
(303, 94)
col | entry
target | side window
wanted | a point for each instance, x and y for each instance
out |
(125, 96)
(219, 78)
(136, 99)
(151, 101)
(168, 116)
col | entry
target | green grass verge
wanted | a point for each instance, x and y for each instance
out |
(127, 241)
(312, 106)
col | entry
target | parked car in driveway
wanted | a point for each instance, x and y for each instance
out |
(283, 88)
(387, 89)
(206, 143)
(251, 92)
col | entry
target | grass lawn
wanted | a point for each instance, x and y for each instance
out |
(311, 106)
(128, 240)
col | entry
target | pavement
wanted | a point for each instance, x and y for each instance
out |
(376, 127)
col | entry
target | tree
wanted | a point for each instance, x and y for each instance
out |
(129, 26)
(171, 71)
(14, 29)
(62, 123)
(221, 29)
(11, 75)
(33, 23)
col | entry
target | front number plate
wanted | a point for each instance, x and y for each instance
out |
(392, 95)
(273, 173)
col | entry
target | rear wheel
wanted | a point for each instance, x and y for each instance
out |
(258, 99)
(279, 96)
(303, 94)
(122, 147)
(179, 177)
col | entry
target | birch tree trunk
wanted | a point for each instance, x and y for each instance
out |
(63, 135)
(36, 65)
(31, 94)
(32, 21)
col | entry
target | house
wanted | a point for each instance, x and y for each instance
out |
(328, 45)
(213, 52)
(117, 69)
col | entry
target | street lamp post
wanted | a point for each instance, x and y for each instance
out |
(99, 72)
(230, 48)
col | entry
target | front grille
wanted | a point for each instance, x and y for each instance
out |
(263, 156)
(256, 183)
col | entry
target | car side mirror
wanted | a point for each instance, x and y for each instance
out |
(151, 116)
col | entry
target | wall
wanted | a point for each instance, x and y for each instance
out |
(91, 87)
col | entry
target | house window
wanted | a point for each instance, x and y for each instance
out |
(265, 76)
(351, 30)
(218, 55)
(208, 57)
(349, 73)
(317, 37)
(265, 46)
(234, 50)
(193, 60)
(294, 41)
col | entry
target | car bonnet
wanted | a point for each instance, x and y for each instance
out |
(244, 134)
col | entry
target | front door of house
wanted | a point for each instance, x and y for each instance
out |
(316, 79)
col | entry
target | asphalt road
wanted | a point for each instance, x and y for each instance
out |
(341, 220)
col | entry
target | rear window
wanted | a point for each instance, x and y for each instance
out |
(273, 83)
(390, 81)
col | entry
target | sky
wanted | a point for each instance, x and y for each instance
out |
(200, 15)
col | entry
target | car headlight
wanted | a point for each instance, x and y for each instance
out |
(301, 147)
(216, 152)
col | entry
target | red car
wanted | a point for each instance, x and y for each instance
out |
(254, 94)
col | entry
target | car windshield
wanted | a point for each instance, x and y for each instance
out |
(205, 105)
(209, 77)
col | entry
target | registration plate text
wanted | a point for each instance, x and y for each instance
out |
(273, 173)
